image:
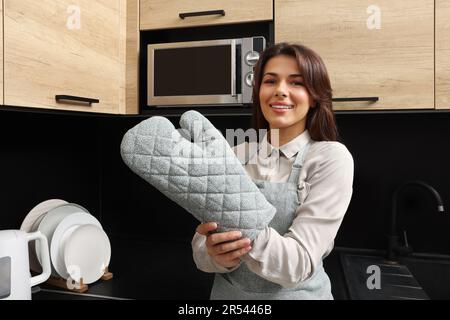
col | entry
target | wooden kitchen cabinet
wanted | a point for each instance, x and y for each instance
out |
(81, 48)
(382, 48)
(162, 14)
(1, 51)
(442, 54)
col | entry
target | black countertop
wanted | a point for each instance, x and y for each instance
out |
(163, 270)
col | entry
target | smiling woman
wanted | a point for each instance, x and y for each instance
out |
(301, 170)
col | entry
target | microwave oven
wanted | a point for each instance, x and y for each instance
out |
(210, 72)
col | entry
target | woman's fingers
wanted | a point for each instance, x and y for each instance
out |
(224, 247)
(238, 253)
(231, 246)
(217, 238)
(207, 227)
(231, 259)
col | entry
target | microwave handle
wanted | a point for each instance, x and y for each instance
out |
(233, 68)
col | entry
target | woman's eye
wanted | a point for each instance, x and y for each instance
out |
(297, 83)
(269, 81)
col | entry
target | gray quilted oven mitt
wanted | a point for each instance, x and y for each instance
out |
(204, 176)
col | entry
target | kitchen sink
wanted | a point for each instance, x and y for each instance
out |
(432, 275)
(395, 281)
(411, 279)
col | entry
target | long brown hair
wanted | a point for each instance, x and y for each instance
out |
(320, 120)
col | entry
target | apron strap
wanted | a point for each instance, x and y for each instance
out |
(298, 164)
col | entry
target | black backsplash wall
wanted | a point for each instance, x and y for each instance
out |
(77, 158)
(388, 149)
(47, 156)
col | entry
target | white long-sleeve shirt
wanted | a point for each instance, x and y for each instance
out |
(325, 190)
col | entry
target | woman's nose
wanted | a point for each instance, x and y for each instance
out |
(280, 94)
(281, 90)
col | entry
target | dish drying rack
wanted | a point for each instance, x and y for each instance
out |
(75, 286)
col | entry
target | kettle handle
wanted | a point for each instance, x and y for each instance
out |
(45, 258)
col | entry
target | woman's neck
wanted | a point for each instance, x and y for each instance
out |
(279, 137)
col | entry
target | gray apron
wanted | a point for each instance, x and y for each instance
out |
(243, 284)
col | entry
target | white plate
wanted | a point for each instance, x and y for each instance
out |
(31, 223)
(50, 222)
(87, 253)
(62, 232)
(38, 211)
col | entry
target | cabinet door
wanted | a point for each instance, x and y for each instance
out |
(161, 14)
(381, 48)
(442, 54)
(1, 51)
(63, 47)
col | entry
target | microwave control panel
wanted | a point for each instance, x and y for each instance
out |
(252, 49)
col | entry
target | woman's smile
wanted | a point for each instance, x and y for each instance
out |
(280, 107)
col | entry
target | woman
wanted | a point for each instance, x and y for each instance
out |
(310, 186)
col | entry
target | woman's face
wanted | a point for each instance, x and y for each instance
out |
(284, 99)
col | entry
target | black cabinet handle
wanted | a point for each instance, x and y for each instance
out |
(63, 97)
(356, 99)
(201, 13)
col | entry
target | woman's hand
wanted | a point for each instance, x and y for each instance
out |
(224, 247)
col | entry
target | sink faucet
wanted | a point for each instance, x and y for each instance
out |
(394, 247)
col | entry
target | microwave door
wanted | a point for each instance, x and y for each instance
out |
(194, 73)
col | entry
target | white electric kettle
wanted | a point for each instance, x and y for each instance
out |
(15, 279)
